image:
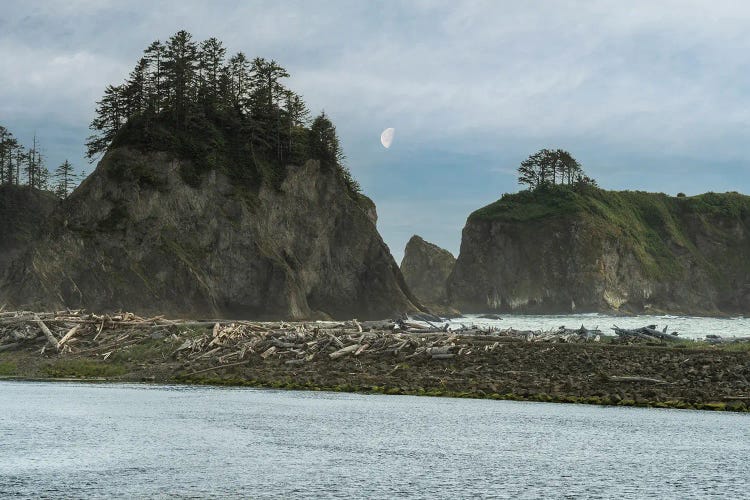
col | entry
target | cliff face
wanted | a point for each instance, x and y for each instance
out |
(23, 215)
(135, 236)
(563, 251)
(426, 268)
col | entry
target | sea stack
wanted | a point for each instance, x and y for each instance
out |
(136, 236)
(564, 250)
(426, 268)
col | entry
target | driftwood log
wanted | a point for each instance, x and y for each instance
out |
(47, 333)
(647, 333)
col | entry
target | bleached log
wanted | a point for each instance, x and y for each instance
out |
(344, 350)
(99, 330)
(436, 351)
(68, 336)
(443, 356)
(47, 333)
(268, 352)
(361, 349)
(286, 345)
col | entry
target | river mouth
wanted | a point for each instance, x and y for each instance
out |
(144, 441)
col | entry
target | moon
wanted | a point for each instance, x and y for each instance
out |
(386, 138)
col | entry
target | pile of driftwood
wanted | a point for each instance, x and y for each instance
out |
(222, 342)
(79, 332)
(75, 331)
(562, 334)
(649, 333)
(299, 343)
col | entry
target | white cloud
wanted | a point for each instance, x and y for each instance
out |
(621, 80)
(46, 84)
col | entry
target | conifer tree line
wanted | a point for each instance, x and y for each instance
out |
(552, 167)
(22, 166)
(187, 87)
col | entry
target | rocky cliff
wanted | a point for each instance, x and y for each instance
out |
(562, 250)
(426, 268)
(136, 236)
(23, 216)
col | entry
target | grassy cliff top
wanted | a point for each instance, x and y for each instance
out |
(656, 226)
(561, 200)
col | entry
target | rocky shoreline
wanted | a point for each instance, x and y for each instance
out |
(392, 357)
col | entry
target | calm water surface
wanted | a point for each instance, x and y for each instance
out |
(140, 441)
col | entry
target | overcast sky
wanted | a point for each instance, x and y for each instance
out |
(647, 95)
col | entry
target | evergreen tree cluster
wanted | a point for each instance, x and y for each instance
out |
(550, 167)
(21, 166)
(187, 97)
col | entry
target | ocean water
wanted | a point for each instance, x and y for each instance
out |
(690, 327)
(70, 440)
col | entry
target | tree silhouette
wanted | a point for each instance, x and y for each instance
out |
(22, 166)
(186, 97)
(551, 167)
(180, 67)
(64, 177)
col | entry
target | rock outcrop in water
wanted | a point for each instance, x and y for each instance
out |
(136, 236)
(426, 268)
(562, 250)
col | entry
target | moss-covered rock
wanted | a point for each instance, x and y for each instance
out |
(562, 250)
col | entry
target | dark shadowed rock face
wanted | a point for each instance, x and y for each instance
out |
(606, 251)
(426, 268)
(134, 236)
(23, 219)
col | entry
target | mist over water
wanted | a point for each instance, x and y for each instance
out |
(689, 327)
(144, 441)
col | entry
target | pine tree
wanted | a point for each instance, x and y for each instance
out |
(297, 116)
(180, 74)
(156, 94)
(34, 166)
(110, 116)
(241, 84)
(211, 62)
(8, 144)
(65, 177)
(529, 172)
(543, 167)
(134, 98)
(324, 143)
(267, 98)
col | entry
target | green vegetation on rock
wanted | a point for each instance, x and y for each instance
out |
(232, 116)
(575, 247)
